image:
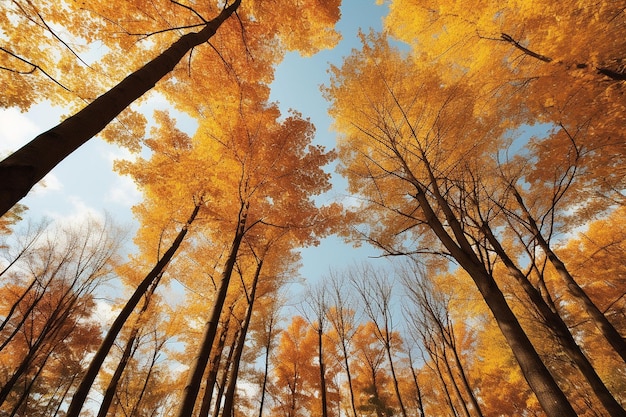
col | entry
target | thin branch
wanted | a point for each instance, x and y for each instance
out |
(34, 67)
(191, 9)
(147, 35)
(507, 38)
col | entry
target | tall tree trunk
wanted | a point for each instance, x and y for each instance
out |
(344, 349)
(25, 167)
(393, 372)
(126, 354)
(199, 364)
(420, 403)
(266, 365)
(224, 379)
(96, 363)
(464, 381)
(229, 400)
(214, 365)
(560, 330)
(320, 352)
(610, 333)
(452, 379)
(549, 394)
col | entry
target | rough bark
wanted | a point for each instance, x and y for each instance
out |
(25, 167)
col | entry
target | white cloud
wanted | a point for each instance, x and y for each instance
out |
(48, 184)
(124, 192)
(104, 312)
(78, 214)
(15, 130)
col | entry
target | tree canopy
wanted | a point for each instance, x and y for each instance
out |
(483, 148)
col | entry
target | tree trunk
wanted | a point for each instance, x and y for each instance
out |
(465, 381)
(229, 401)
(349, 376)
(420, 403)
(452, 379)
(392, 368)
(610, 333)
(320, 351)
(224, 380)
(25, 167)
(199, 364)
(560, 330)
(266, 365)
(214, 365)
(549, 394)
(94, 367)
(117, 375)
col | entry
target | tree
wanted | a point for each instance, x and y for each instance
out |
(81, 392)
(25, 167)
(47, 314)
(376, 291)
(371, 381)
(295, 373)
(404, 149)
(433, 323)
(315, 304)
(342, 317)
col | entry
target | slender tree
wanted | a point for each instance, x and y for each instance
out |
(82, 391)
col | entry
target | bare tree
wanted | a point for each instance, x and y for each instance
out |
(342, 318)
(376, 290)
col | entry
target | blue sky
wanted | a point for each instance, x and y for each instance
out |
(85, 183)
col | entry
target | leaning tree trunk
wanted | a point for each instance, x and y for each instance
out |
(199, 364)
(549, 394)
(126, 354)
(559, 329)
(420, 404)
(96, 363)
(610, 333)
(214, 365)
(25, 167)
(229, 400)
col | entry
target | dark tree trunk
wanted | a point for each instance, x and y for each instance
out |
(214, 365)
(94, 367)
(320, 352)
(25, 167)
(610, 333)
(224, 380)
(126, 354)
(549, 394)
(210, 330)
(229, 400)
(418, 391)
(266, 365)
(558, 327)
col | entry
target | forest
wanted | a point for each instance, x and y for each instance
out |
(484, 149)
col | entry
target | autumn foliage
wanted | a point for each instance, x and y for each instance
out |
(483, 147)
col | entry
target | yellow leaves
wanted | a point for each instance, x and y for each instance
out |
(305, 26)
